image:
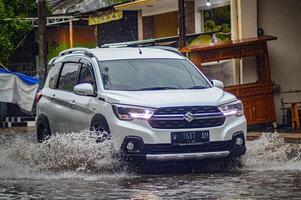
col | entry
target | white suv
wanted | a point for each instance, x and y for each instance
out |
(152, 101)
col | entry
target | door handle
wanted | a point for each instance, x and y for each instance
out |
(53, 97)
(72, 103)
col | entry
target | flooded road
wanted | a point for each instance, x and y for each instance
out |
(75, 167)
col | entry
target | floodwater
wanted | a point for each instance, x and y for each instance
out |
(75, 167)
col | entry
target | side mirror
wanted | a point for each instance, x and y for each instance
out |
(217, 84)
(85, 89)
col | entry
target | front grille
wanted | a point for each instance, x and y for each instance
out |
(179, 124)
(170, 148)
(173, 117)
(185, 109)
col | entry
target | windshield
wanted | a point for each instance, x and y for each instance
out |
(151, 74)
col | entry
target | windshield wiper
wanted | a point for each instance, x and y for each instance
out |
(197, 87)
(158, 88)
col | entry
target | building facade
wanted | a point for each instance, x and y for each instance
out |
(230, 20)
(272, 68)
(283, 19)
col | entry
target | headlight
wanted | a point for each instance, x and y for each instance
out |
(231, 109)
(124, 112)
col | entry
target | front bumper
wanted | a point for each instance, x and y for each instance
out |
(156, 145)
(141, 128)
(186, 156)
(172, 153)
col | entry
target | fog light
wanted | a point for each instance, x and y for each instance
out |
(130, 146)
(239, 141)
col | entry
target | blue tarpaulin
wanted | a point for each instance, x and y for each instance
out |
(26, 79)
(18, 88)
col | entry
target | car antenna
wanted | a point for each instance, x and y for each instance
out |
(140, 52)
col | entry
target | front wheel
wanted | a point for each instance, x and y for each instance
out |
(43, 131)
(101, 129)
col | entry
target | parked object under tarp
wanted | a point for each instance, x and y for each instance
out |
(18, 88)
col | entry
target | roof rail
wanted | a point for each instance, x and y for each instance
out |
(166, 48)
(144, 43)
(52, 60)
(140, 44)
(85, 51)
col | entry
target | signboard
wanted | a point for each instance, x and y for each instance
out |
(105, 17)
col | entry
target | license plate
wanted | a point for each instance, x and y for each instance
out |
(189, 137)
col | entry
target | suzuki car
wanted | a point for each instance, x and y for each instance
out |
(152, 102)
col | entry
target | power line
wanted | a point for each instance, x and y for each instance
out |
(50, 21)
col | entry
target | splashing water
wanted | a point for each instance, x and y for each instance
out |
(271, 152)
(78, 153)
(66, 152)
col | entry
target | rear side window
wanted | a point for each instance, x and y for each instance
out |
(68, 76)
(86, 76)
(53, 75)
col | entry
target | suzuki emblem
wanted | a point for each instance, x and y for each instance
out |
(189, 117)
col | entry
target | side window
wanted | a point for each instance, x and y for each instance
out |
(86, 76)
(53, 75)
(68, 76)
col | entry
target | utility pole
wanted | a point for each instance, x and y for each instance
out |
(42, 41)
(182, 28)
(71, 33)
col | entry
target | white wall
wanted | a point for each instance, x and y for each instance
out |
(282, 18)
(247, 18)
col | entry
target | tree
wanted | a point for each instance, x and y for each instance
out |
(116, 1)
(13, 31)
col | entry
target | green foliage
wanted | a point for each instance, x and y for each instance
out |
(12, 32)
(218, 20)
(215, 20)
(111, 2)
(217, 28)
(210, 24)
(202, 39)
(226, 28)
(55, 49)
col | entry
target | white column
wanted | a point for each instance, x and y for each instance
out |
(197, 16)
(234, 36)
(247, 18)
(234, 20)
(247, 25)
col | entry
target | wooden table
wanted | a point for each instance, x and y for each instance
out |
(295, 115)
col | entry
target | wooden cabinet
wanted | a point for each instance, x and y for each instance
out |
(263, 109)
(258, 97)
(257, 100)
(259, 109)
(248, 109)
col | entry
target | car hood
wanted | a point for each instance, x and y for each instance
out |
(168, 98)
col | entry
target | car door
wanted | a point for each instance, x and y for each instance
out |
(84, 106)
(62, 97)
(50, 107)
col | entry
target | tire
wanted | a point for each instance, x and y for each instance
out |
(101, 128)
(43, 130)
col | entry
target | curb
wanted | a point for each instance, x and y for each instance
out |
(10, 122)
